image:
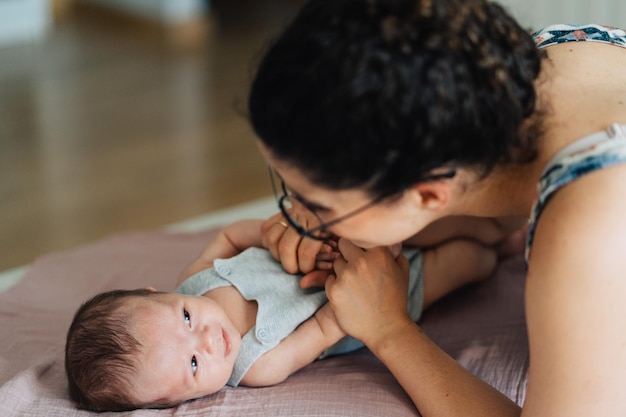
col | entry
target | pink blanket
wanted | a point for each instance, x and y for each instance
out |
(482, 327)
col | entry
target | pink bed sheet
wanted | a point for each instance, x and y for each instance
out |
(482, 327)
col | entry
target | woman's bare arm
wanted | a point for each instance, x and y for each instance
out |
(576, 314)
(368, 296)
(437, 384)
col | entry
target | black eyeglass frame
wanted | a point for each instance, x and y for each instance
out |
(322, 229)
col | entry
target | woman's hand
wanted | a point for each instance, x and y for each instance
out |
(317, 277)
(295, 253)
(368, 292)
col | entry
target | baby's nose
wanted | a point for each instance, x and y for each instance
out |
(206, 339)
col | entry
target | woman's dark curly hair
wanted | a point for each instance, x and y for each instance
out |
(374, 94)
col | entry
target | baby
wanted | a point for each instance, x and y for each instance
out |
(240, 319)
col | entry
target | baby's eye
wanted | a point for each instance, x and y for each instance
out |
(187, 317)
(194, 365)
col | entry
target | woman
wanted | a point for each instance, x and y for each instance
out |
(384, 117)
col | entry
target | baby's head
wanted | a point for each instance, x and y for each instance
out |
(130, 349)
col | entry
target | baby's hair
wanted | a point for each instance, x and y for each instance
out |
(100, 354)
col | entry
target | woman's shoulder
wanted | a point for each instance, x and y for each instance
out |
(575, 168)
(585, 216)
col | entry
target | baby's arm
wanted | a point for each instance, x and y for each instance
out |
(231, 240)
(297, 350)
(446, 267)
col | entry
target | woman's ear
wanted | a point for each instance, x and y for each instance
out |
(432, 195)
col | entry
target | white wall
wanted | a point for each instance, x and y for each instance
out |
(536, 14)
(23, 20)
(164, 11)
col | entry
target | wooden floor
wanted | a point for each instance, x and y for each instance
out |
(112, 125)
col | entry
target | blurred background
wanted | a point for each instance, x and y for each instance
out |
(120, 115)
(125, 115)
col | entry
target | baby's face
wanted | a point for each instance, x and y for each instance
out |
(189, 347)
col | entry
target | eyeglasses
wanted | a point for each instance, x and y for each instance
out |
(288, 203)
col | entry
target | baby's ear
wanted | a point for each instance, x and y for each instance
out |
(150, 288)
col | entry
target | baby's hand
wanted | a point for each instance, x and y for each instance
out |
(395, 249)
(327, 254)
(325, 260)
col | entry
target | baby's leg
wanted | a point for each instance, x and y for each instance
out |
(454, 264)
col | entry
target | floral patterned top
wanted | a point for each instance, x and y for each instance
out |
(591, 153)
(576, 33)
